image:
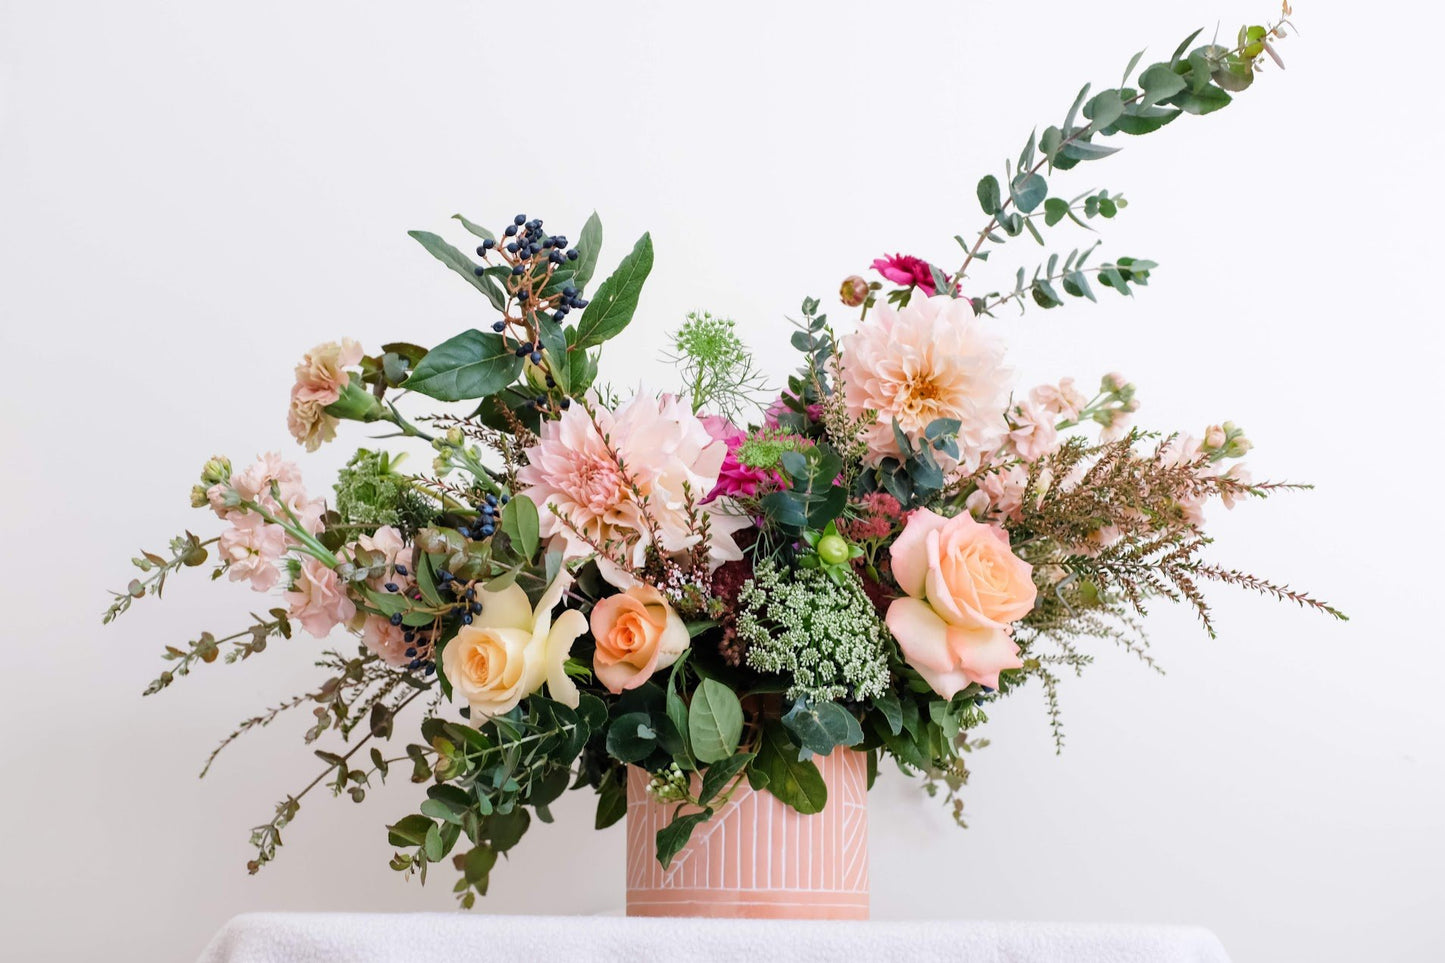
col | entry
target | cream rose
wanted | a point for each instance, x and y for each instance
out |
(510, 650)
(965, 587)
(637, 633)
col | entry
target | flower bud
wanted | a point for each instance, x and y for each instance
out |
(854, 291)
(455, 438)
(1113, 383)
(1238, 447)
(535, 374)
(1214, 437)
(216, 470)
(198, 497)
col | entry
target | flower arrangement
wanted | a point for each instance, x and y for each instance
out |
(717, 583)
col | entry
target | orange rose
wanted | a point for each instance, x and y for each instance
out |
(965, 587)
(637, 633)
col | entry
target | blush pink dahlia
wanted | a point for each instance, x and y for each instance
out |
(907, 270)
(665, 453)
(930, 360)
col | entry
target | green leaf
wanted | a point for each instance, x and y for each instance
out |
(475, 229)
(463, 265)
(1077, 284)
(1044, 294)
(719, 774)
(1084, 150)
(611, 308)
(478, 863)
(820, 727)
(1055, 210)
(677, 709)
(1179, 50)
(631, 737)
(522, 525)
(1078, 102)
(1105, 108)
(796, 782)
(588, 246)
(989, 197)
(1206, 101)
(1144, 120)
(505, 830)
(892, 710)
(714, 722)
(1029, 191)
(1049, 142)
(611, 799)
(1133, 62)
(409, 831)
(471, 365)
(672, 837)
(1159, 83)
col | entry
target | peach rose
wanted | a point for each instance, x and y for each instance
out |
(637, 633)
(965, 587)
(508, 651)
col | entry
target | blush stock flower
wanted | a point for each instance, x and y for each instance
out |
(964, 589)
(317, 599)
(320, 378)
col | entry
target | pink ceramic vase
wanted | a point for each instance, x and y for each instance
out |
(757, 858)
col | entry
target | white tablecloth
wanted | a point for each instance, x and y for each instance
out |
(474, 938)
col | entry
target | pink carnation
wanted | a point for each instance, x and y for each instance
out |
(908, 271)
(317, 599)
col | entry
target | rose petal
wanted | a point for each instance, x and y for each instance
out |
(983, 653)
(560, 686)
(909, 552)
(921, 634)
(507, 609)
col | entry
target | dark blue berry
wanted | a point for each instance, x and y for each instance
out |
(519, 220)
(579, 303)
(559, 315)
(518, 269)
(572, 254)
(488, 530)
(566, 403)
(488, 244)
(467, 619)
(391, 587)
(511, 230)
(479, 271)
(491, 499)
(446, 576)
(401, 570)
(506, 498)
(499, 326)
(411, 653)
(511, 247)
(568, 291)
(396, 618)
(536, 357)
(481, 251)
(551, 382)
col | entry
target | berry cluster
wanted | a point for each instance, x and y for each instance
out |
(532, 257)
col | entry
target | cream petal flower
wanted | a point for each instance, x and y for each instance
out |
(930, 360)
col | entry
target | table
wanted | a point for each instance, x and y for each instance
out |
(475, 938)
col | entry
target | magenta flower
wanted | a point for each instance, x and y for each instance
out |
(907, 270)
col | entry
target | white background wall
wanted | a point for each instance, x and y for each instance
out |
(193, 193)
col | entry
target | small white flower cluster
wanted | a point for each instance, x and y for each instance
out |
(827, 637)
(670, 785)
